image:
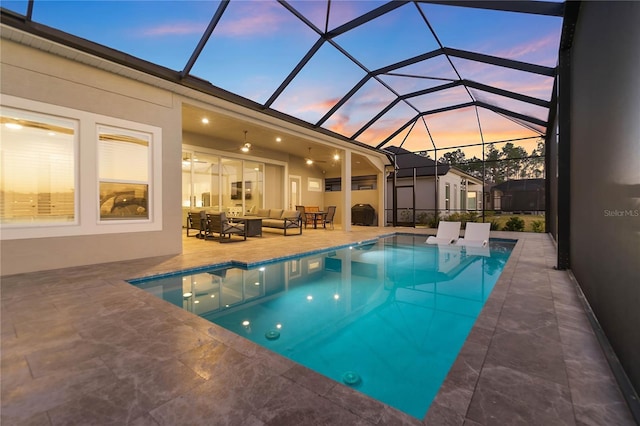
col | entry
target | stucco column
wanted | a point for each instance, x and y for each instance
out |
(345, 215)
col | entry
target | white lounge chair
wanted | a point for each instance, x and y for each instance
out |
(475, 235)
(483, 251)
(448, 233)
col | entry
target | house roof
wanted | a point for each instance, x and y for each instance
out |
(406, 161)
(419, 75)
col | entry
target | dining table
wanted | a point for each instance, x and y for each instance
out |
(319, 215)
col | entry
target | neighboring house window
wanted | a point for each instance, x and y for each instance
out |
(455, 198)
(38, 168)
(447, 196)
(124, 158)
(472, 200)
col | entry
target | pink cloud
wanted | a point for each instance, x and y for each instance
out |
(176, 28)
(315, 11)
(504, 78)
(344, 11)
(545, 44)
(544, 50)
(253, 18)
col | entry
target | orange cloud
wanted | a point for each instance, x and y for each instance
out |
(321, 106)
(339, 123)
(452, 129)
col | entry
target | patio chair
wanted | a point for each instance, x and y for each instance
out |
(194, 222)
(217, 223)
(303, 215)
(200, 221)
(448, 233)
(475, 235)
(328, 218)
(310, 217)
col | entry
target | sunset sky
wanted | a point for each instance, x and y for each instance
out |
(257, 44)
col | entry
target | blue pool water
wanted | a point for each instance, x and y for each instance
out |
(387, 317)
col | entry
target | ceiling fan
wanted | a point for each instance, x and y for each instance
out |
(309, 160)
(247, 146)
(188, 159)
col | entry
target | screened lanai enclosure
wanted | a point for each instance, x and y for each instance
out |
(486, 110)
(457, 93)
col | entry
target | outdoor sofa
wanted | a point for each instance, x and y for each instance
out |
(287, 220)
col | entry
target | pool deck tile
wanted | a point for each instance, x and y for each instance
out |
(128, 358)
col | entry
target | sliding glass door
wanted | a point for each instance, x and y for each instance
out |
(223, 184)
(254, 182)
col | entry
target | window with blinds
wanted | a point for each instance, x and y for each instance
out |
(37, 168)
(472, 200)
(447, 196)
(124, 158)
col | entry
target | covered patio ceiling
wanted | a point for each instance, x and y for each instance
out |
(422, 75)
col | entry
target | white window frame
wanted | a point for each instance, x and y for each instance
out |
(149, 182)
(472, 195)
(447, 196)
(455, 197)
(314, 184)
(7, 227)
(88, 216)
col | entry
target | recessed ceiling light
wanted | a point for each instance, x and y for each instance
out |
(205, 121)
(336, 157)
(14, 126)
(278, 139)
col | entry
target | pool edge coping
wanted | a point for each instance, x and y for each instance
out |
(440, 406)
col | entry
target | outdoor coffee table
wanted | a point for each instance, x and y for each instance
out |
(252, 225)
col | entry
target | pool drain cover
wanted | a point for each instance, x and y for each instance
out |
(272, 334)
(351, 378)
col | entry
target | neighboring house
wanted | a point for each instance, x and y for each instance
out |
(518, 195)
(456, 190)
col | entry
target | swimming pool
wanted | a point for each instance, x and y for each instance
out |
(387, 317)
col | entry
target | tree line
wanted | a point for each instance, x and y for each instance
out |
(510, 162)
